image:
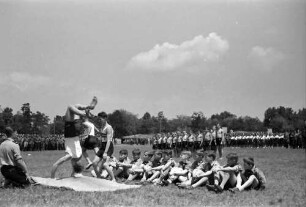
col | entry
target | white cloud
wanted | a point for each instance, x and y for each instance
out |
(168, 56)
(23, 81)
(265, 59)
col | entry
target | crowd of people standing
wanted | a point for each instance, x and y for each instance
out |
(215, 139)
(35, 142)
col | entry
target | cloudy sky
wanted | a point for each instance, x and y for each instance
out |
(175, 56)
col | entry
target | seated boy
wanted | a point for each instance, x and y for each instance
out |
(252, 177)
(180, 172)
(123, 164)
(226, 175)
(207, 174)
(166, 165)
(195, 169)
(149, 172)
(136, 165)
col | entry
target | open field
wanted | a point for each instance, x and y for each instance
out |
(285, 170)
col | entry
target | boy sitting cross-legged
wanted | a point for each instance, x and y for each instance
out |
(122, 166)
(137, 164)
(149, 170)
(204, 172)
(195, 168)
(180, 172)
(252, 177)
(167, 164)
(226, 176)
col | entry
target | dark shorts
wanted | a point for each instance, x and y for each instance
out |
(218, 141)
(102, 149)
(14, 174)
(90, 142)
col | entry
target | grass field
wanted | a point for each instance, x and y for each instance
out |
(285, 170)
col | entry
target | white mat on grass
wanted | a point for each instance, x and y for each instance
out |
(84, 183)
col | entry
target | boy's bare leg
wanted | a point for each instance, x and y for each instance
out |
(95, 163)
(144, 177)
(85, 154)
(252, 181)
(155, 175)
(93, 103)
(185, 183)
(58, 163)
(109, 170)
(132, 177)
(200, 182)
(118, 171)
(232, 179)
(225, 178)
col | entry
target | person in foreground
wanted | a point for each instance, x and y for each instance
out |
(72, 138)
(13, 168)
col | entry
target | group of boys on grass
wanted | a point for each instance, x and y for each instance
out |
(159, 168)
(156, 167)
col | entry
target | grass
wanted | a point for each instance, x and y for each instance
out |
(285, 170)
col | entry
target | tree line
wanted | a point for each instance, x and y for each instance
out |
(279, 119)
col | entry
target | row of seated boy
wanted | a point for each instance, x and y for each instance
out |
(158, 168)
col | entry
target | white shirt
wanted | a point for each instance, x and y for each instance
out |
(91, 128)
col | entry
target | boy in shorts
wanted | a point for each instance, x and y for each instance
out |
(89, 141)
(123, 165)
(149, 172)
(252, 177)
(180, 172)
(137, 164)
(166, 165)
(107, 147)
(72, 139)
(226, 176)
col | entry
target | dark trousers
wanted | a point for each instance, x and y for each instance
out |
(14, 174)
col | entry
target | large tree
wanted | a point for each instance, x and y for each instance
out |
(123, 122)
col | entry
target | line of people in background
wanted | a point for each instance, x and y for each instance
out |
(215, 139)
(293, 139)
(35, 142)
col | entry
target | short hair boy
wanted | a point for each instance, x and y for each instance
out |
(226, 174)
(180, 172)
(149, 170)
(123, 164)
(252, 177)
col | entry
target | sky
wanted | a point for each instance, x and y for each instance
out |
(175, 56)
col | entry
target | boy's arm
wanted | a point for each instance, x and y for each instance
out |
(261, 177)
(205, 174)
(184, 172)
(109, 138)
(167, 165)
(158, 168)
(228, 169)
